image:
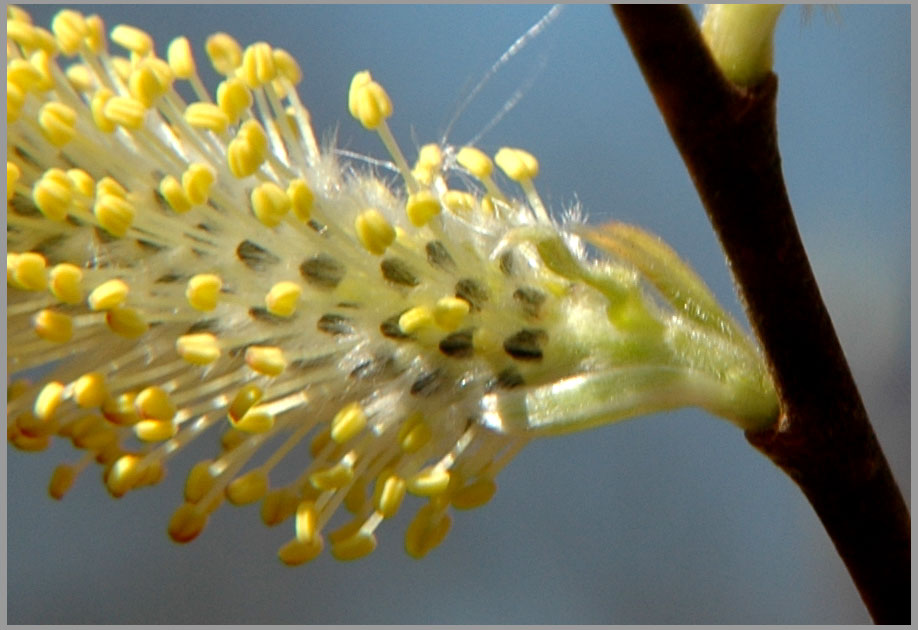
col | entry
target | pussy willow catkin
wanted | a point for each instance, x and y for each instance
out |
(176, 269)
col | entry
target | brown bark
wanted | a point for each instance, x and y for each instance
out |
(728, 139)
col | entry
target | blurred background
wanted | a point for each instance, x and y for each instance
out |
(666, 519)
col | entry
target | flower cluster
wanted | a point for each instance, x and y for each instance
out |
(177, 268)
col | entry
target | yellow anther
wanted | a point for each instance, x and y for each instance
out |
(33, 425)
(248, 150)
(187, 522)
(278, 505)
(255, 420)
(69, 27)
(348, 422)
(80, 77)
(24, 441)
(45, 41)
(180, 58)
(287, 66)
(12, 176)
(124, 475)
(307, 522)
(57, 122)
(458, 201)
(171, 190)
(267, 360)
(473, 495)
(125, 111)
(120, 410)
(150, 80)
(517, 164)
(41, 60)
(108, 295)
(198, 348)
(133, 39)
(23, 33)
(15, 97)
(450, 312)
(294, 552)
(97, 106)
(248, 488)
(115, 214)
(17, 14)
(23, 75)
(244, 399)
(197, 180)
(95, 38)
(356, 497)
(152, 473)
(155, 430)
(270, 203)
(475, 161)
(203, 290)
(126, 322)
(234, 98)
(282, 298)
(430, 156)
(374, 232)
(53, 194)
(426, 531)
(153, 403)
(207, 116)
(367, 101)
(429, 482)
(301, 199)
(61, 481)
(48, 400)
(110, 186)
(65, 283)
(258, 65)
(90, 390)
(357, 546)
(414, 433)
(232, 438)
(82, 181)
(422, 207)
(29, 271)
(333, 477)
(199, 481)
(53, 326)
(415, 319)
(224, 52)
(390, 492)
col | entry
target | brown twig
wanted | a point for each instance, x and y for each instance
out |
(823, 439)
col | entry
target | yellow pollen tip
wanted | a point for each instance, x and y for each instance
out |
(348, 422)
(90, 390)
(153, 403)
(29, 271)
(258, 65)
(233, 98)
(422, 207)
(61, 481)
(517, 164)
(95, 38)
(224, 52)
(248, 150)
(255, 420)
(171, 190)
(450, 312)
(150, 80)
(198, 349)
(458, 201)
(475, 161)
(429, 482)
(374, 231)
(414, 433)
(207, 116)
(287, 66)
(415, 319)
(244, 399)
(270, 203)
(295, 552)
(203, 290)
(53, 326)
(108, 295)
(133, 39)
(97, 106)
(367, 101)
(307, 522)
(473, 495)
(23, 75)
(199, 481)
(426, 531)
(187, 522)
(126, 322)
(125, 111)
(65, 283)
(357, 546)
(278, 505)
(115, 214)
(48, 400)
(155, 430)
(333, 477)
(180, 58)
(248, 488)
(390, 495)
(281, 300)
(267, 360)
(69, 28)
(53, 194)
(57, 122)
(301, 199)
(197, 181)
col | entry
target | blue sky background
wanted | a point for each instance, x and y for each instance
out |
(672, 518)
